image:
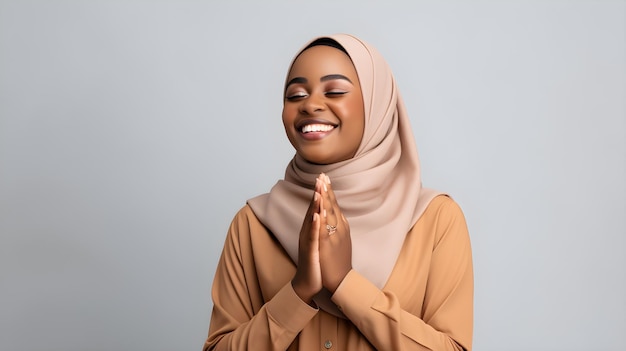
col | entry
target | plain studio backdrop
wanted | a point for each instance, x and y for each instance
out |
(132, 131)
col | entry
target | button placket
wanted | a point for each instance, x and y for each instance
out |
(328, 330)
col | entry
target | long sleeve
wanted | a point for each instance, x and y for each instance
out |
(241, 319)
(426, 303)
(436, 268)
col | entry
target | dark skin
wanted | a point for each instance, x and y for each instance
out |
(324, 259)
(323, 89)
(323, 93)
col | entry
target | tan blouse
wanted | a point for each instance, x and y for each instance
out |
(427, 303)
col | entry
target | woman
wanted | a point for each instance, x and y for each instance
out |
(348, 252)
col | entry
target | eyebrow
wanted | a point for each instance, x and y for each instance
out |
(334, 76)
(302, 80)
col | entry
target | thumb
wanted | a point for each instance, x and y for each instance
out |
(315, 230)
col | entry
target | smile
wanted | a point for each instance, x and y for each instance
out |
(312, 128)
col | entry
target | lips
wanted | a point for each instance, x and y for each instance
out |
(314, 126)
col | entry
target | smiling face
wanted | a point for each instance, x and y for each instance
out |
(323, 111)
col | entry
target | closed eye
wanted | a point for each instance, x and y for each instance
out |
(335, 93)
(295, 96)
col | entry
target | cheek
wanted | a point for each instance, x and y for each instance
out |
(357, 120)
(289, 113)
(353, 110)
(288, 117)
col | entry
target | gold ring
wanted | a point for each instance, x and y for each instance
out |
(331, 229)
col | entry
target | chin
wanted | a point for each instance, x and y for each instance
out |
(317, 159)
(322, 156)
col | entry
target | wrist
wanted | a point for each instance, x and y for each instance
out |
(303, 293)
(335, 284)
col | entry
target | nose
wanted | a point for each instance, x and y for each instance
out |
(312, 104)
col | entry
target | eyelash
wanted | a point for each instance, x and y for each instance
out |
(329, 93)
(336, 93)
(295, 97)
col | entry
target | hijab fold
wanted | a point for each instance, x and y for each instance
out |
(379, 190)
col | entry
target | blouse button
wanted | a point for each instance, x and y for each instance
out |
(328, 344)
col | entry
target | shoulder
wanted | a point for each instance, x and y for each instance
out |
(243, 224)
(245, 217)
(443, 217)
(443, 206)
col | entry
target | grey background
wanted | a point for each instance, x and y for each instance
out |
(132, 131)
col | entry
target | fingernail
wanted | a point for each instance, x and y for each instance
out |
(324, 213)
(316, 196)
(325, 188)
(328, 179)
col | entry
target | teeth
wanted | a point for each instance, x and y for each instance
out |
(316, 128)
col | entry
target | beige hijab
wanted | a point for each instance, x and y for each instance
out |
(379, 190)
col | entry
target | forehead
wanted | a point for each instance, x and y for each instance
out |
(321, 60)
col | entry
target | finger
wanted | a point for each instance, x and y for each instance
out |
(332, 208)
(316, 193)
(315, 231)
(331, 192)
(322, 212)
(327, 224)
(313, 206)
